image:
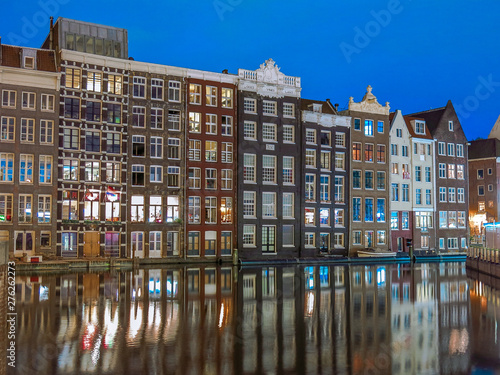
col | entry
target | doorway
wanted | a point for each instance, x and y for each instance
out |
(91, 244)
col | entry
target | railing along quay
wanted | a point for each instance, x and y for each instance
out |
(484, 260)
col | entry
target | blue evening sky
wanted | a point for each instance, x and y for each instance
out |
(416, 54)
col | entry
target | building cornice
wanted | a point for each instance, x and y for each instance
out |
(325, 119)
(30, 78)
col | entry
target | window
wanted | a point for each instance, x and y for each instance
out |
(9, 98)
(210, 124)
(324, 188)
(405, 221)
(115, 83)
(356, 209)
(452, 243)
(226, 125)
(460, 171)
(450, 126)
(405, 193)
(211, 96)
(156, 118)
(418, 196)
(480, 206)
(155, 173)
(442, 170)
(311, 136)
(94, 81)
(137, 208)
(309, 217)
(339, 217)
(93, 111)
(288, 134)
(210, 210)
(420, 127)
(156, 147)
(427, 196)
(174, 91)
(44, 209)
(394, 168)
(380, 126)
(172, 208)
(226, 210)
(442, 194)
(394, 220)
(309, 240)
(460, 151)
(227, 152)
(194, 122)
(404, 151)
(250, 105)
(114, 113)
(139, 117)
(394, 149)
(461, 195)
(5, 208)
(113, 143)
(399, 133)
(325, 138)
(112, 207)
(194, 93)
(451, 149)
(210, 178)
(173, 176)
(70, 170)
(73, 77)
(25, 212)
(138, 145)
(395, 192)
(368, 179)
(249, 164)
(70, 205)
(269, 169)
(249, 203)
(155, 209)
(269, 132)
(227, 98)
(427, 174)
(26, 168)
(194, 152)
(310, 187)
(369, 127)
(137, 175)
(210, 151)
(380, 153)
(443, 219)
(27, 130)
(325, 160)
(194, 178)
(368, 152)
(310, 158)
(418, 173)
(156, 89)
(269, 108)
(339, 161)
(490, 187)
(47, 102)
(226, 179)
(381, 237)
(45, 169)
(248, 235)
(442, 148)
(339, 189)
(92, 171)
(92, 141)
(268, 205)
(193, 246)
(249, 130)
(368, 209)
(480, 174)
(480, 190)
(174, 120)
(139, 87)
(380, 180)
(451, 195)
(6, 167)
(7, 128)
(451, 170)
(339, 139)
(288, 170)
(452, 219)
(288, 109)
(356, 179)
(356, 237)
(380, 210)
(288, 206)
(288, 235)
(324, 217)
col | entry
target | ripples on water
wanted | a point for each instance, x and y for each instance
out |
(430, 319)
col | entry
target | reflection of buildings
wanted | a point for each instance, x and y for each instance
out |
(316, 319)
(3, 313)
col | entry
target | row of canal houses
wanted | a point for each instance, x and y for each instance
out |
(101, 155)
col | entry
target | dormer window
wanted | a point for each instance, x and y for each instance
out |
(29, 62)
(317, 107)
(450, 126)
(420, 127)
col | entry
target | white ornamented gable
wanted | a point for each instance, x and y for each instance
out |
(369, 104)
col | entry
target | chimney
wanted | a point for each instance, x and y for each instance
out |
(225, 71)
(336, 106)
(51, 33)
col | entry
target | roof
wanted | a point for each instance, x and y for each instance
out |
(45, 59)
(411, 130)
(431, 117)
(484, 148)
(327, 106)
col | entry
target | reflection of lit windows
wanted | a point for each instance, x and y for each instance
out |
(172, 208)
(324, 216)
(309, 216)
(356, 237)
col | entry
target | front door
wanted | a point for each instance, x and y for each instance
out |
(23, 243)
(91, 246)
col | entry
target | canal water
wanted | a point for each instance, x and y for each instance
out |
(358, 319)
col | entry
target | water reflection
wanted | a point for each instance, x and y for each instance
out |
(275, 320)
